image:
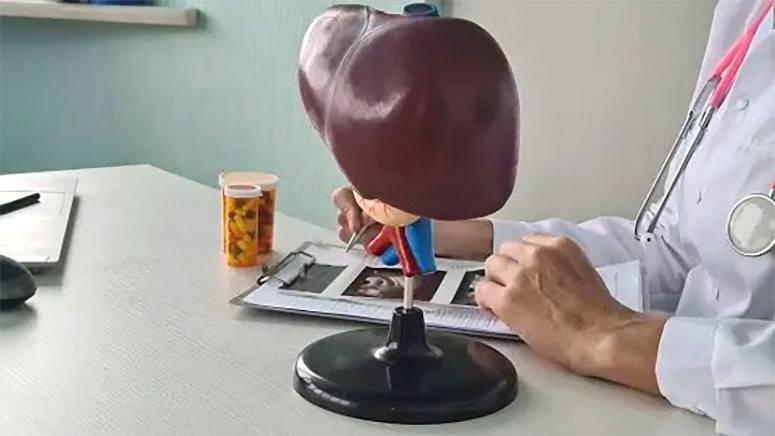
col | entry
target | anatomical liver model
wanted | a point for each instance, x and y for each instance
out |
(422, 116)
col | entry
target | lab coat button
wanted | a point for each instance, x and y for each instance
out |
(742, 104)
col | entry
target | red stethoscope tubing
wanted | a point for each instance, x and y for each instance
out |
(727, 68)
(704, 106)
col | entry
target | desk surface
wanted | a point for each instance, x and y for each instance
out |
(134, 335)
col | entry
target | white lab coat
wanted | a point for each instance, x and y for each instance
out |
(717, 352)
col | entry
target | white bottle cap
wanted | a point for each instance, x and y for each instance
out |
(242, 190)
(266, 181)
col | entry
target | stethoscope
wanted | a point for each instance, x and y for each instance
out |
(751, 223)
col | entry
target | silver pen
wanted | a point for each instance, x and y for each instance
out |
(356, 237)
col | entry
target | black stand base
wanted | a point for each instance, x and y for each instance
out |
(405, 380)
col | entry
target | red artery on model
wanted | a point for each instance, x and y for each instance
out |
(395, 236)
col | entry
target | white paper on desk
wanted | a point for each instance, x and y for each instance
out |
(622, 280)
(624, 283)
(35, 235)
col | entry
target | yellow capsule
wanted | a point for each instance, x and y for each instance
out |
(251, 204)
(241, 224)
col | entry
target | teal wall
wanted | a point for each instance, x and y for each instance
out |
(192, 101)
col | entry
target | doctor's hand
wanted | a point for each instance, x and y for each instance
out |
(350, 218)
(547, 291)
(470, 239)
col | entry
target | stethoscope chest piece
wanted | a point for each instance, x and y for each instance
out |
(751, 225)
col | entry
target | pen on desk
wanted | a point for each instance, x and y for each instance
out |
(19, 203)
(356, 237)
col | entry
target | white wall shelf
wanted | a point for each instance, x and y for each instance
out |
(146, 15)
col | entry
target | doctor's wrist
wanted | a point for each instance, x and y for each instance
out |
(471, 240)
(624, 352)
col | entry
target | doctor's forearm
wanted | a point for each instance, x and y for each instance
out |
(627, 354)
(470, 239)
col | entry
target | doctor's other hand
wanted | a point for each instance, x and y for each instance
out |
(547, 291)
(350, 218)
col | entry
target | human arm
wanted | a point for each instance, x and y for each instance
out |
(546, 290)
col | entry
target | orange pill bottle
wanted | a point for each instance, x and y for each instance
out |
(266, 210)
(240, 224)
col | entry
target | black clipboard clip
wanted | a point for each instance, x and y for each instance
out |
(296, 264)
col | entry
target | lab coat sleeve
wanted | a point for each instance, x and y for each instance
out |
(605, 240)
(609, 240)
(726, 370)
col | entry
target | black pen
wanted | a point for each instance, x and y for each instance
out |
(19, 203)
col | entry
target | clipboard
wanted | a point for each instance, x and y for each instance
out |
(273, 291)
(322, 280)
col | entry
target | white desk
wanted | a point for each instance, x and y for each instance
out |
(135, 336)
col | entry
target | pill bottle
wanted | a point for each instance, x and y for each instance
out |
(268, 184)
(241, 219)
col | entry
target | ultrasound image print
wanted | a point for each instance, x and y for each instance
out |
(389, 283)
(465, 292)
(316, 280)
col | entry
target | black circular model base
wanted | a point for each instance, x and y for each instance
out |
(354, 373)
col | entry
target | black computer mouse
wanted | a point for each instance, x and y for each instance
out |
(16, 283)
